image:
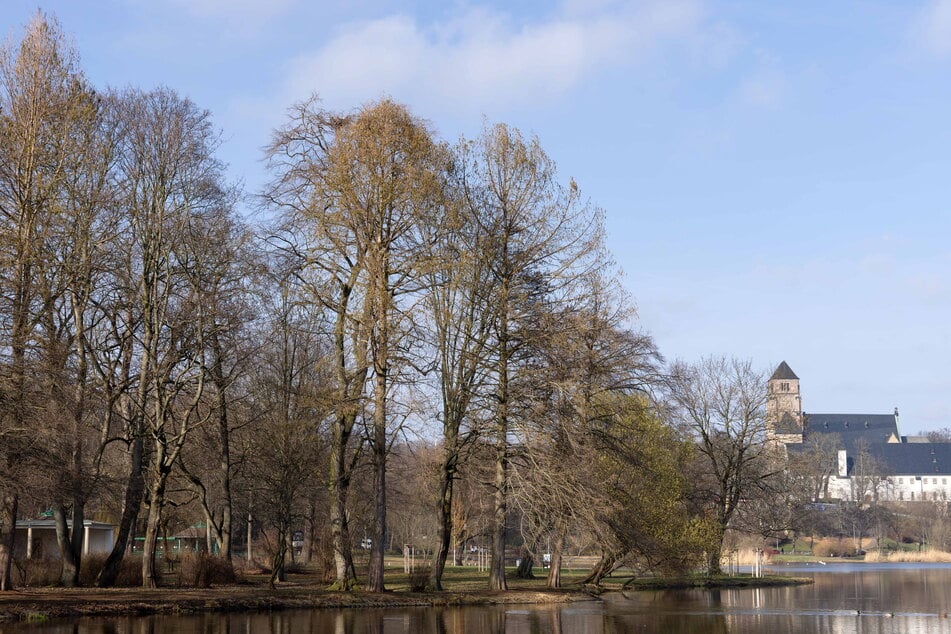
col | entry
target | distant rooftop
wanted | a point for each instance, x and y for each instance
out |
(783, 372)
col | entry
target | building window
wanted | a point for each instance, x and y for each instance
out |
(912, 495)
(784, 387)
(900, 481)
(944, 480)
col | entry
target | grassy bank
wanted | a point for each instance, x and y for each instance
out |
(464, 586)
(702, 582)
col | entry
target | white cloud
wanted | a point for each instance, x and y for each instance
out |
(481, 59)
(931, 29)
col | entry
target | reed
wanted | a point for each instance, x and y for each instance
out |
(909, 556)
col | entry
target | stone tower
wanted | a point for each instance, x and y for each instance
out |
(784, 406)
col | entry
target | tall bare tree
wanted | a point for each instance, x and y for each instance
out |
(71, 292)
(230, 352)
(290, 388)
(458, 289)
(540, 236)
(173, 193)
(364, 182)
(43, 100)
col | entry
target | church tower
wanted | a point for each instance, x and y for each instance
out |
(784, 406)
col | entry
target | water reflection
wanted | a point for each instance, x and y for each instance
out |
(883, 599)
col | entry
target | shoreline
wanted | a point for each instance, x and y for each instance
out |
(41, 604)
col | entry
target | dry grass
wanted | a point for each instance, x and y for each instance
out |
(829, 547)
(909, 556)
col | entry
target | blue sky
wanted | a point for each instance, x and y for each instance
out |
(776, 176)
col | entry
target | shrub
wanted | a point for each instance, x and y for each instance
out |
(36, 572)
(418, 579)
(130, 570)
(835, 548)
(201, 570)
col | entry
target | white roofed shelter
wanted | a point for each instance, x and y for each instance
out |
(37, 538)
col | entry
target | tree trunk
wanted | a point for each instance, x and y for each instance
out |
(554, 568)
(339, 526)
(223, 532)
(444, 515)
(70, 542)
(375, 581)
(153, 523)
(135, 489)
(601, 569)
(278, 572)
(310, 530)
(713, 564)
(8, 522)
(500, 510)
(713, 557)
(525, 566)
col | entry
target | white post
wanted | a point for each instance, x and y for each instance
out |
(250, 524)
(86, 539)
(29, 542)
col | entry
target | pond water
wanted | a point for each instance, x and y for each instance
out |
(865, 598)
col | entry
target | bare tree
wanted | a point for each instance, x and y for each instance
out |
(230, 352)
(538, 236)
(43, 101)
(363, 183)
(291, 393)
(810, 466)
(457, 292)
(720, 404)
(868, 474)
(172, 188)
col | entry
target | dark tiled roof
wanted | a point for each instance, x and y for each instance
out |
(783, 372)
(900, 459)
(914, 458)
(853, 429)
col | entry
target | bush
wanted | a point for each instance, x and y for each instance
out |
(36, 572)
(130, 570)
(835, 548)
(201, 570)
(418, 579)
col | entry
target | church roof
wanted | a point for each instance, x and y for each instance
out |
(853, 430)
(783, 372)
